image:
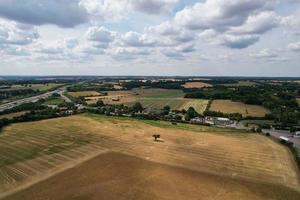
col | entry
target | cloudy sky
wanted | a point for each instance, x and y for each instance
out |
(150, 37)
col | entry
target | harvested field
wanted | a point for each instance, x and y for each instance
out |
(84, 94)
(196, 85)
(117, 176)
(227, 106)
(198, 104)
(208, 161)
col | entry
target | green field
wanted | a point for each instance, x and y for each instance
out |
(54, 101)
(159, 93)
(240, 83)
(158, 98)
(40, 87)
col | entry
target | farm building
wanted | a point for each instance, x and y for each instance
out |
(197, 120)
(218, 121)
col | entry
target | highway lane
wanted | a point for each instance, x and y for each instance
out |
(31, 99)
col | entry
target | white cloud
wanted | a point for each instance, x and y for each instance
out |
(136, 39)
(220, 14)
(12, 33)
(294, 46)
(63, 13)
(291, 23)
(239, 42)
(265, 53)
(153, 6)
(257, 24)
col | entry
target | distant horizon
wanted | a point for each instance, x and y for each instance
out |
(162, 76)
(150, 37)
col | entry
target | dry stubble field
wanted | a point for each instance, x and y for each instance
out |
(125, 163)
(227, 106)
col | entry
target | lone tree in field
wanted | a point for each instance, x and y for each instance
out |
(156, 136)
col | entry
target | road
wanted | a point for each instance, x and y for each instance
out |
(33, 99)
(273, 132)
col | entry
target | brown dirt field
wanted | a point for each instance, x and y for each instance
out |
(225, 156)
(227, 106)
(12, 115)
(196, 85)
(116, 176)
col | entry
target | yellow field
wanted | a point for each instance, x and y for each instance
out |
(249, 166)
(12, 115)
(196, 85)
(84, 93)
(198, 104)
(227, 106)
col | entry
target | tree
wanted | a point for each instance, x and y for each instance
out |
(99, 103)
(166, 110)
(137, 107)
(191, 113)
(156, 136)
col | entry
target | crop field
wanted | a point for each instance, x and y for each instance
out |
(54, 101)
(227, 106)
(175, 103)
(98, 157)
(40, 87)
(198, 104)
(196, 85)
(298, 100)
(241, 83)
(84, 93)
(157, 98)
(12, 115)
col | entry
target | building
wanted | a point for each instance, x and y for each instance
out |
(218, 121)
(297, 134)
(198, 120)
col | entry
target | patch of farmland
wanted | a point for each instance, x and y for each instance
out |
(54, 101)
(128, 177)
(298, 100)
(198, 104)
(33, 150)
(196, 85)
(159, 103)
(227, 106)
(241, 83)
(40, 87)
(12, 115)
(159, 93)
(84, 93)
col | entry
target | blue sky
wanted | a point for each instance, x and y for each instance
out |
(150, 37)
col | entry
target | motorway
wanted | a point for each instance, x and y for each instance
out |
(34, 99)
